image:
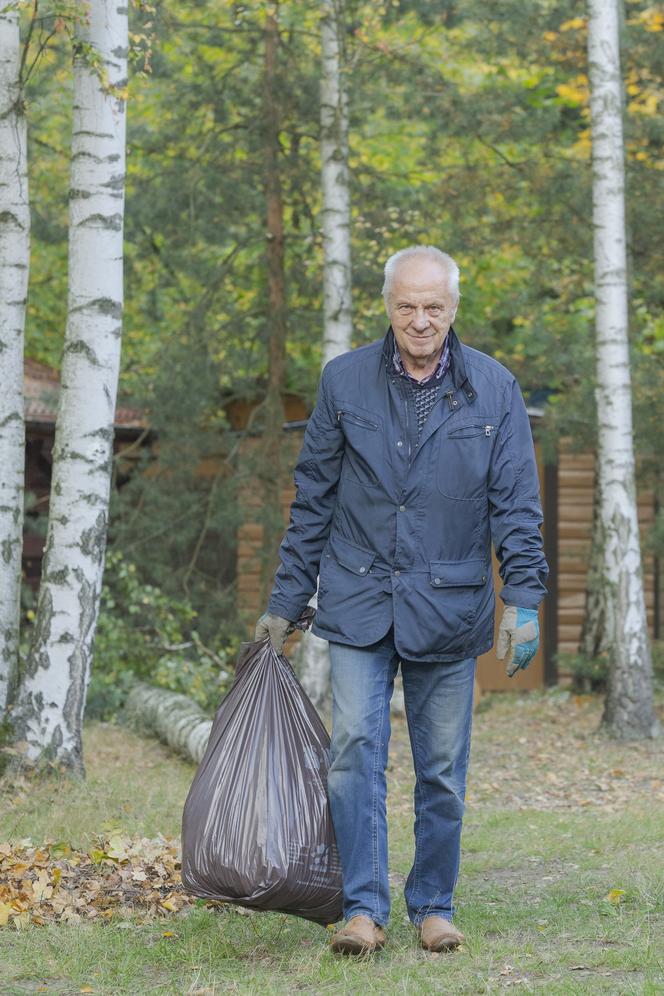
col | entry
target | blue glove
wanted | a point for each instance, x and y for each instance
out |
(518, 638)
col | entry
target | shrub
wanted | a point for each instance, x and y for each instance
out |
(143, 633)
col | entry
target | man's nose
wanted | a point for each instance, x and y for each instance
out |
(420, 319)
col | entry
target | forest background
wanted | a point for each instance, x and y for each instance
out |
(469, 129)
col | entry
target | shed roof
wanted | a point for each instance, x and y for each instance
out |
(42, 388)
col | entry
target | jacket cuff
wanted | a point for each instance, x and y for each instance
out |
(287, 610)
(520, 598)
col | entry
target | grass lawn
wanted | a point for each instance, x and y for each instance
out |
(557, 817)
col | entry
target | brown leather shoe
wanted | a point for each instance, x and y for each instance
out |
(360, 936)
(438, 934)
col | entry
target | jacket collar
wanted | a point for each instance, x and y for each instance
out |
(457, 364)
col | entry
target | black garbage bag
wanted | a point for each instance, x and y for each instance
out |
(256, 826)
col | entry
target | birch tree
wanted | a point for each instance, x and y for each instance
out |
(51, 700)
(313, 659)
(335, 181)
(629, 711)
(14, 261)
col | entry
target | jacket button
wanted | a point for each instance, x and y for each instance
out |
(484, 577)
(402, 508)
(397, 574)
(363, 570)
(454, 404)
(436, 580)
(399, 442)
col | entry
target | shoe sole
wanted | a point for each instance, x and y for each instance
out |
(349, 946)
(442, 946)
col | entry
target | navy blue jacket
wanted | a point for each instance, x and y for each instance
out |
(400, 528)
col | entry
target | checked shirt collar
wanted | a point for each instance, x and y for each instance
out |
(435, 375)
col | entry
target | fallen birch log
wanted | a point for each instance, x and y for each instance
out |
(172, 718)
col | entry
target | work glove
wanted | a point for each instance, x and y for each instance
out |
(518, 638)
(275, 627)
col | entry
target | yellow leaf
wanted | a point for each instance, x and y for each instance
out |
(573, 24)
(652, 20)
(573, 95)
(168, 933)
(647, 104)
(169, 904)
(5, 910)
(86, 989)
(615, 896)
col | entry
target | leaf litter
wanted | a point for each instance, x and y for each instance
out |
(119, 875)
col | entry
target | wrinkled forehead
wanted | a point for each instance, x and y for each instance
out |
(420, 278)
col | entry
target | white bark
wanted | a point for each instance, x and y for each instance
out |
(14, 261)
(337, 317)
(313, 660)
(629, 705)
(173, 718)
(52, 696)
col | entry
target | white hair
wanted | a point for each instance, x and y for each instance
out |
(422, 252)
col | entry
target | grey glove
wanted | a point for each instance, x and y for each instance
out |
(275, 628)
(518, 638)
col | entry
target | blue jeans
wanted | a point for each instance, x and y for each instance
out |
(439, 709)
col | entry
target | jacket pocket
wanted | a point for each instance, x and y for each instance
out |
(483, 426)
(346, 416)
(458, 573)
(464, 457)
(363, 461)
(356, 559)
(437, 610)
(353, 602)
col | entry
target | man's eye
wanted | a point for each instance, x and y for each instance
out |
(405, 309)
(435, 310)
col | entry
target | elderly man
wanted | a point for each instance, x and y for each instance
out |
(417, 455)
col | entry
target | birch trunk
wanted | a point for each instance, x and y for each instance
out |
(312, 655)
(629, 711)
(51, 700)
(14, 261)
(335, 179)
(172, 718)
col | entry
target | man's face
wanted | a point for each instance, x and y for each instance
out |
(421, 309)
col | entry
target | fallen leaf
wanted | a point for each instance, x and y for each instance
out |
(615, 896)
(21, 920)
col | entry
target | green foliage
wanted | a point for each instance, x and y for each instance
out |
(588, 674)
(143, 633)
